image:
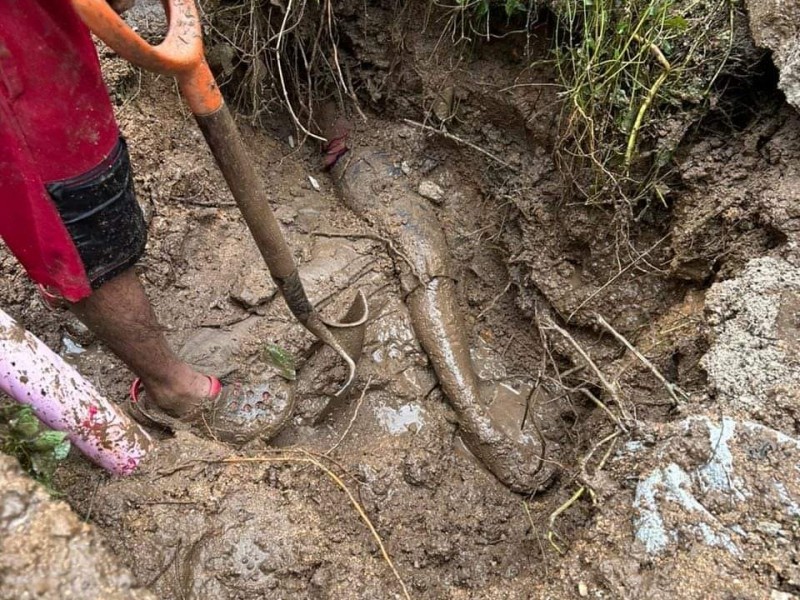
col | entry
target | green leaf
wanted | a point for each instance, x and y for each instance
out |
(43, 465)
(25, 425)
(61, 451)
(513, 6)
(676, 22)
(281, 360)
(48, 440)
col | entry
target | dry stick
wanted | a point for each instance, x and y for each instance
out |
(494, 301)
(671, 388)
(606, 384)
(375, 237)
(538, 539)
(352, 419)
(578, 493)
(308, 458)
(278, 46)
(459, 140)
(605, 408)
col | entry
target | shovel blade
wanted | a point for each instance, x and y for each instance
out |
(345, 337)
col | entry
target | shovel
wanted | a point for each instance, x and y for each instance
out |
(180, 55)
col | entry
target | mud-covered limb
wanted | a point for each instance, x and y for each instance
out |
(373, 188)
(516, 461)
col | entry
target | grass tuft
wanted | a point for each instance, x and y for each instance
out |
(636, 76)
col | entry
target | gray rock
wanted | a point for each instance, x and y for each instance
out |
(253, 287)
(755, 334)
(724, 491)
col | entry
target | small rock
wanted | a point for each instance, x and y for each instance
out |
(314, 183)
(253, 287)
(291, 142)
(770, 528)
(583, 590)
(777, 595)
(431, 191)
(405, 168)
(428, 165)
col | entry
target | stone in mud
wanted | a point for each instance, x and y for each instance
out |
(254, 286)
(47, 552)
(431, 191)
(775, 25)
(214, 350)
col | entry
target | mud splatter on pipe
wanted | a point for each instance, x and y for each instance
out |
(33, 374)
(372, 186)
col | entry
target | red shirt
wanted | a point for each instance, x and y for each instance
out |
(56, 122)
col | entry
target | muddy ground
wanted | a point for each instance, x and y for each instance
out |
(698, 496)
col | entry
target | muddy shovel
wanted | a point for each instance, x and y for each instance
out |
(180, 55)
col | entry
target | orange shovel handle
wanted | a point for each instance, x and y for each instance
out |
(179, 55)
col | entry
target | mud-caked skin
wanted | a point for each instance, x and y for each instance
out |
(372, 186)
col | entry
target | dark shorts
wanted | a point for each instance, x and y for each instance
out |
(67, 205)
(102, 216)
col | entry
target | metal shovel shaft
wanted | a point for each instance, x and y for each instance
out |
(226, 145)
(248, 190)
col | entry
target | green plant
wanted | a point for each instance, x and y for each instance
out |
(636, 75)
(38, 449)
(281, 359)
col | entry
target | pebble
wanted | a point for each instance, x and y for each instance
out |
(583, 590)
(431, 191)
(253, 287)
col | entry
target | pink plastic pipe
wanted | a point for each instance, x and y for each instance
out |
(33, 374)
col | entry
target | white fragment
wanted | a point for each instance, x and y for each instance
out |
(405, 168)
(583, 590)
(291, 142)
(431, 191)
(314, 183)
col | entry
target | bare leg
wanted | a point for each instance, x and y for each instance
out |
(120, 314)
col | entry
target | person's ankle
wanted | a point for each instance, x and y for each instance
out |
(180, 394)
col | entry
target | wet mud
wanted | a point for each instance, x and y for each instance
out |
(189, 526)
(371, 184)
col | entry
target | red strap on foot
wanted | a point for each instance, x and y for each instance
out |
(214, 385)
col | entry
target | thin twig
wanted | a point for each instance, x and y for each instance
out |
(535, 530)
(605, 408)
(579, 492)
(309, 458)
(491, 304)
(673, 389)
(617, 276)
(612, 389)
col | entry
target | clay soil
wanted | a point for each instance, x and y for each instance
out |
(525, 255)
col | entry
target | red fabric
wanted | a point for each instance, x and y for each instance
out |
(56, 122)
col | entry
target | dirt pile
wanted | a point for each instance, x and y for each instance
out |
(46, 551)
(715, 492)
(775, 25)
